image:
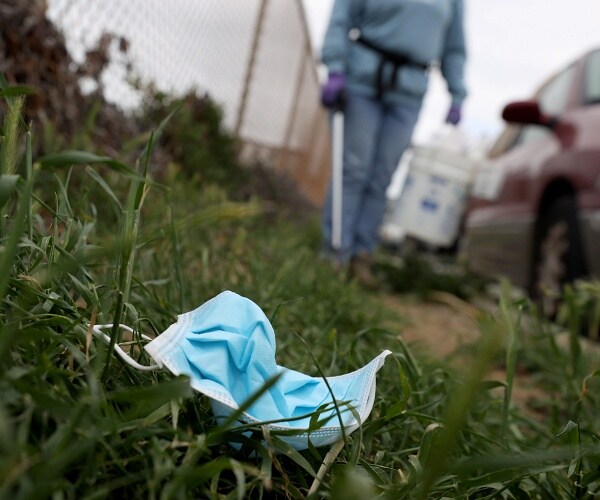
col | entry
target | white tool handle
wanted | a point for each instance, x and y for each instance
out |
(337, 180)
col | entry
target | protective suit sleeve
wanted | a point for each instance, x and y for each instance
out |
(335, 45)
(455, 54)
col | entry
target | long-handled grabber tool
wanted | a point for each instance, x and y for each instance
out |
(337, 178)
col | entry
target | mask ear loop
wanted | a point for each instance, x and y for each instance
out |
(97, 330)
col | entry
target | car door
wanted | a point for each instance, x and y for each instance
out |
(502, 226)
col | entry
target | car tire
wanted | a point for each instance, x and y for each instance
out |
(558, 254)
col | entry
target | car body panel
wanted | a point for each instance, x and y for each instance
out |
(530, 167)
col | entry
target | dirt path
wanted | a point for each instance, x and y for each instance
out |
(438, 328)
(444, 329)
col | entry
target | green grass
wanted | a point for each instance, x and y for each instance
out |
(92, 239)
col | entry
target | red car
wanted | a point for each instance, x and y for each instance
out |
(534, 216)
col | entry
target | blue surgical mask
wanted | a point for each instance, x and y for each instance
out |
(227, 349)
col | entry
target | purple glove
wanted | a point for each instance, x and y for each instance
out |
(333, 91)
(453, 114)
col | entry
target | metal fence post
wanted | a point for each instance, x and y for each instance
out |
(307, 52)
(285, 147)
(250, 67)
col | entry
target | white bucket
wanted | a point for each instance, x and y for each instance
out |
(434, 196)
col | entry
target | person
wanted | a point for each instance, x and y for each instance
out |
(378, 54)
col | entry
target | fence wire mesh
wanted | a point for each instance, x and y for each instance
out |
(254, 57)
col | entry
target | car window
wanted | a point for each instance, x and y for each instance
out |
(591, 84)
(532, 133)
(554, 96)
(505, 141)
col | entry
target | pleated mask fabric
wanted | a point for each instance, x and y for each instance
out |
(227, 349)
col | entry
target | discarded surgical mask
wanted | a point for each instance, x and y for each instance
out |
(227, 349)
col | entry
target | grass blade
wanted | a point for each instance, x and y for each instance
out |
(73, 157)
(9, 252)
(513, 329)
(7, 187)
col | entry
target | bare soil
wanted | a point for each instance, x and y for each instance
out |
(446, 329)
(438, 329)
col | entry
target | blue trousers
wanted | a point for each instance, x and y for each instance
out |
(375, 136)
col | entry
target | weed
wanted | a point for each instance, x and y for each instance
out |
(75, 422)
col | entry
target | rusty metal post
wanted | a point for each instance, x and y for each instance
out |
(250, 67)
(307, 52)
(319, 116)
(285, 147)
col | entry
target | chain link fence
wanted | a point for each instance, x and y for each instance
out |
(254, 57)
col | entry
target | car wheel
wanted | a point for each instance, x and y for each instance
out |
(559, 257)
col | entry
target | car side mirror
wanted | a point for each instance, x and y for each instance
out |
(527, 113)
